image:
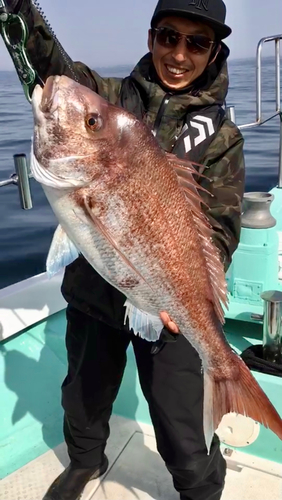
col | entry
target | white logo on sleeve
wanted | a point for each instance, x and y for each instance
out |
(204, 127)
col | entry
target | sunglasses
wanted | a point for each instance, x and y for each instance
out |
(170, 38)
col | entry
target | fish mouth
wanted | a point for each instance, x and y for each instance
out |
(45, 100)
(49, 93)
(49, 97)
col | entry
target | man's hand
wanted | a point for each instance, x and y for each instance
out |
(168, 334)
(168, 323)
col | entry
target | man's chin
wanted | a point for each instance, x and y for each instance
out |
(174, 83)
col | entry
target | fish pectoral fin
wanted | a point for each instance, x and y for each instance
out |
(146, 325)
(103, 230)
(241, 395)
(62, 252)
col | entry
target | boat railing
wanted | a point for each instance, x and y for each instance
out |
(260, 120)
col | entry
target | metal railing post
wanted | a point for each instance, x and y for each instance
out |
(259, 118)
(280, 156)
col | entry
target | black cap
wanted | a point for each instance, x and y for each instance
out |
(210, 12)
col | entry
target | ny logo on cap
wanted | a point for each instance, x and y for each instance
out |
(200, 4)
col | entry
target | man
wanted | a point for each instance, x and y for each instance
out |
(178, 90)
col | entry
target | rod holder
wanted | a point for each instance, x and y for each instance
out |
(230, 113)
(272, 326)
(22, 171)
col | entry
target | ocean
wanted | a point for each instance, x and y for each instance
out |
(25, 236)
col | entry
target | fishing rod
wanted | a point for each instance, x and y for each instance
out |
(14, 32)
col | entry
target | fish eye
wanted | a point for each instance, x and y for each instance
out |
(93, 121)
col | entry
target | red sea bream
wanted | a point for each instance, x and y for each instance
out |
(135, 214)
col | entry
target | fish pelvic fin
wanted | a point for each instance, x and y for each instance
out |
(143, 324)
(241, 395)
(185, 171)
(62, 252)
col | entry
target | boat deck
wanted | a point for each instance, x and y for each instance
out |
(32, 367)
(136, 472)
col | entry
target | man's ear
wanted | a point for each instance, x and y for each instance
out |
(218, 49)
(150, 40)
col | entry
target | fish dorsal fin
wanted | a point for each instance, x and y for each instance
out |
(185, 171)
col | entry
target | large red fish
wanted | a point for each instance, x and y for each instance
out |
(135, 214)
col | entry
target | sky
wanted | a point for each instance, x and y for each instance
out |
(109, 33)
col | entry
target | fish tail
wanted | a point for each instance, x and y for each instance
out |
(241, 395)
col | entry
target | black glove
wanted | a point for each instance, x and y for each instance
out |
(13, 30)
(13, 6)
(165, 337)
(253, 357)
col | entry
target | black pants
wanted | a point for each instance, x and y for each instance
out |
(172, 385)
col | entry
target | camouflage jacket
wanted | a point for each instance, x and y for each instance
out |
(222, 161)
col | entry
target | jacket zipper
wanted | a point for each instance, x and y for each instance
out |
(160, 114)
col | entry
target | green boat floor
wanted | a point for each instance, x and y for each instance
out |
(32, 367)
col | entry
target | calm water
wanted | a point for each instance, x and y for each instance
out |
(25, 235)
